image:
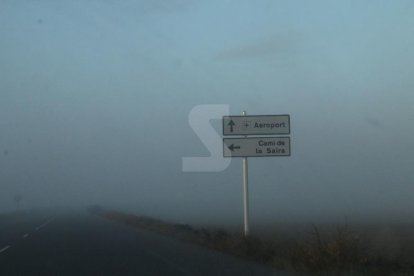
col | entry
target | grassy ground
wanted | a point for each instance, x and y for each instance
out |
(322, 250)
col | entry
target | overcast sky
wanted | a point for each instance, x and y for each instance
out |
(95, 98)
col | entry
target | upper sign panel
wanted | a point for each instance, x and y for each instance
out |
(256, 125)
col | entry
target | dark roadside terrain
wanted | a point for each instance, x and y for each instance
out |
(79, 243)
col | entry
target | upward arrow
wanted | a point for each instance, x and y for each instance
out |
(231, 124)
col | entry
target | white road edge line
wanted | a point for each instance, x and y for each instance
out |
(4, 248)
(25, 235)
(44, 224)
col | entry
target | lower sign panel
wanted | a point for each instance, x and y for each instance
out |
(256, 147)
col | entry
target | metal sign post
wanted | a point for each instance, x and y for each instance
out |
(245, 193)
(261, 145)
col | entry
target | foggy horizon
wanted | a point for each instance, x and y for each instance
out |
(95, 100)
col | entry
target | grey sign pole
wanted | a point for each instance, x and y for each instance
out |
(262, 146)
(245, 193)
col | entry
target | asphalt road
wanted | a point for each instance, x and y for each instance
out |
(77, 243)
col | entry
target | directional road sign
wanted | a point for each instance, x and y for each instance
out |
(256, 147)
(256, 125)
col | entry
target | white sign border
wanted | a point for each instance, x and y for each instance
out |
(251, 116)
(263, 137)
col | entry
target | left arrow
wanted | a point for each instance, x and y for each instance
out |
(232, 147)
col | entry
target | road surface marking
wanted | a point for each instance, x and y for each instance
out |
(25, 235)
(172, 264)
(4, 248)
(44, 224)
